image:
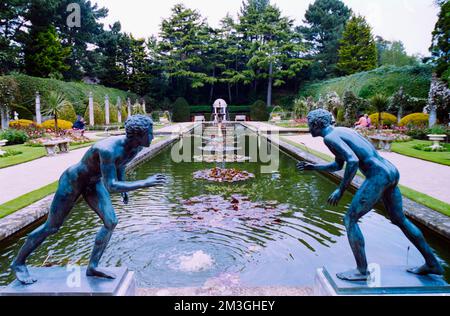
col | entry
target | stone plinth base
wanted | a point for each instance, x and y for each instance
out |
(60, 281)
(390, 280)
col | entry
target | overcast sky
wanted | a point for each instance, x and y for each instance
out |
(410, 21)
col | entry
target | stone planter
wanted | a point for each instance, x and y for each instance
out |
(2, 143)
(436, 139)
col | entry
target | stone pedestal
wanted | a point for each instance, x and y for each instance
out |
(389, 280)
(60, 281)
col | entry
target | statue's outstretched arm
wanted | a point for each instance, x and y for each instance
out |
(113, 184)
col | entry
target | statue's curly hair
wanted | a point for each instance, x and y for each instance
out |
(137, 125)
(320, 118)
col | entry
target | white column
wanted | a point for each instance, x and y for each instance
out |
(38, 108)
(119, 110)
(91, 109)
(143, 106)
(129, 107)
(107, 109)
(3, 117)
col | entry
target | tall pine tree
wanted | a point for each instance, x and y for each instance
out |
(324, 24)
(358, 51)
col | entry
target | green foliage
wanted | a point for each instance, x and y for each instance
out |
(393, 53)
(300, 108)
(358, 51)
(10, 153)
(181, 110)
(351, 105)
(68, 113)
(440, 48)
(21, 90)
(259, 111)
(54, 103)
(14, 136)
(415, 81)
(99, 114)
(325, 21)
(44, 54)
(428, 148)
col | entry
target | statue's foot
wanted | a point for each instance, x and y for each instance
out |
(353, 275)
(426, 269)
(22, 274)
(100, 273)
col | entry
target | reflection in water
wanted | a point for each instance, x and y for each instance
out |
(159, 238)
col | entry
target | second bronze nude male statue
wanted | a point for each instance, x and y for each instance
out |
(100, 172)
(381, 183)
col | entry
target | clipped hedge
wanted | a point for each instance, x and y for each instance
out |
(415, 120)
(259, 111)
(385, 80)
(62, 124)
(181, 111)
(67, 113)
(387, 118)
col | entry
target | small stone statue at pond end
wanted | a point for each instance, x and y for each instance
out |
(100, 172)
(381, 183)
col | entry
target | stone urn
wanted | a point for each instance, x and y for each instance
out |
(436, 139)
(2, 143)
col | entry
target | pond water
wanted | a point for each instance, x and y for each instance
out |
(186, 233)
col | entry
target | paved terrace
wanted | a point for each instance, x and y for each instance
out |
(427, 177)
(24, 178)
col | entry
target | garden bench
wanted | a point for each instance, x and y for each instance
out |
(164, 120)
(52, 146)
(240, 118)
(382, 142)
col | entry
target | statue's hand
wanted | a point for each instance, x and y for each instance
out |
(155, 180)
(125, 197)
(305, 166)
(335, 197)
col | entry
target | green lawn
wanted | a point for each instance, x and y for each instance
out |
(291, 125)
(418, 197)
(407, 149)
(27, 199)
(28, 154)
(34, 196)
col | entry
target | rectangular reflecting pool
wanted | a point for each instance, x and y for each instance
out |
(274, 229)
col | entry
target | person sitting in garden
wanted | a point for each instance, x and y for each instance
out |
(362, 123)
(79, 124)
(369, 121)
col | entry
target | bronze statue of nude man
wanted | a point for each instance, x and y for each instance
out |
(381, 182)
(100, 172)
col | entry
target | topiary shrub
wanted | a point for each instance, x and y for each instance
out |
(181, 110)
(99, 114)
(62, 124)
(68, 113)
(13, 136)
(259, 111)
(415, 120)
(387, 118)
